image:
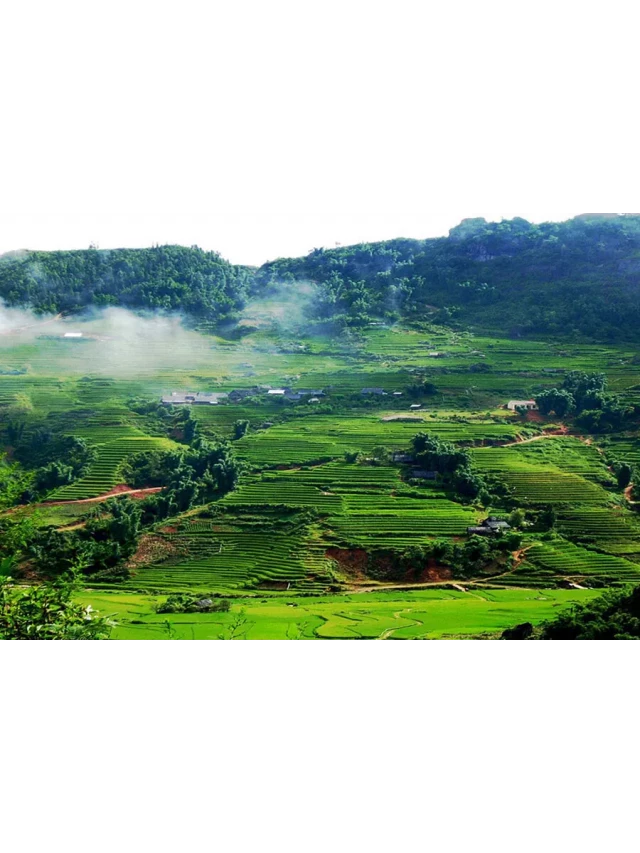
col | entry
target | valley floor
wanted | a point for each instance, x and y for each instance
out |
(395, 615)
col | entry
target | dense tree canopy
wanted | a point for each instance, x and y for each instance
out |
(613, 616)
(168, 278)
(570, 278)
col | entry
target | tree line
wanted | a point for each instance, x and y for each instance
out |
(569, 279)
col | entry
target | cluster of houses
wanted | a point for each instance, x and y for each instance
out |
(213, 398)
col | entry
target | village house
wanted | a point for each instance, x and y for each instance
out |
(401, 456)
(379, 391)
(423, 474)
(239, 394)
(310, 392)
(491, 526)
(197, 398)
(529, 405)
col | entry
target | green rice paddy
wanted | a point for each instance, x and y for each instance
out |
(402, 615)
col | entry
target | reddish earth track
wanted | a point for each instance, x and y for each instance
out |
(115, 492)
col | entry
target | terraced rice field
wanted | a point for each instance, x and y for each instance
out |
(390, 527)
(553, 470)
(236, 559)
(284, 490)
(104, 472)
(553, 487)
(611, 523)
(568, 560)
(325, 437)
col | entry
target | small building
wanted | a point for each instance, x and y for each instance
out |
(397, 393)
(277, 392)
(423, 474)
(72, 335)
(314, 399)
(415, 406)
(239, 394)
(528, 405)
(174, 399)
(209, 398)
(400, 456)
(197, 398)
(491, 526)
(379, 391)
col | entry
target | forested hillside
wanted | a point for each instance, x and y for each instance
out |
(579, 278)
(170, 278)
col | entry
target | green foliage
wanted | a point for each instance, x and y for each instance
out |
(169, 278)
(57, 459)
(16, 534)
(585, 388)
(548, 518)
(15, 483)
(454, 465)
(184, 602)
(434, 454)
(585, 394)
(52, 475)
(624, 474)
(609, 417)
(190, 429)
(203, 472)
(420, 389)
(240, 428)
(613, 616)
(558, 402)
(47, 612)
(569, 278)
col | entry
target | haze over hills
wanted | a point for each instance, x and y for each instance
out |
(575, 278)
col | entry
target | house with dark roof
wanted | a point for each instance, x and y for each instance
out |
(423, 474)
(401, 456)
(242, 393)
(491, 526)
(529, 405)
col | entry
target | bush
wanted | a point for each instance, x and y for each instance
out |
(183, 602)
(47, 612)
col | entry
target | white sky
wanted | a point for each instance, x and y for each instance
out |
(265, 129)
